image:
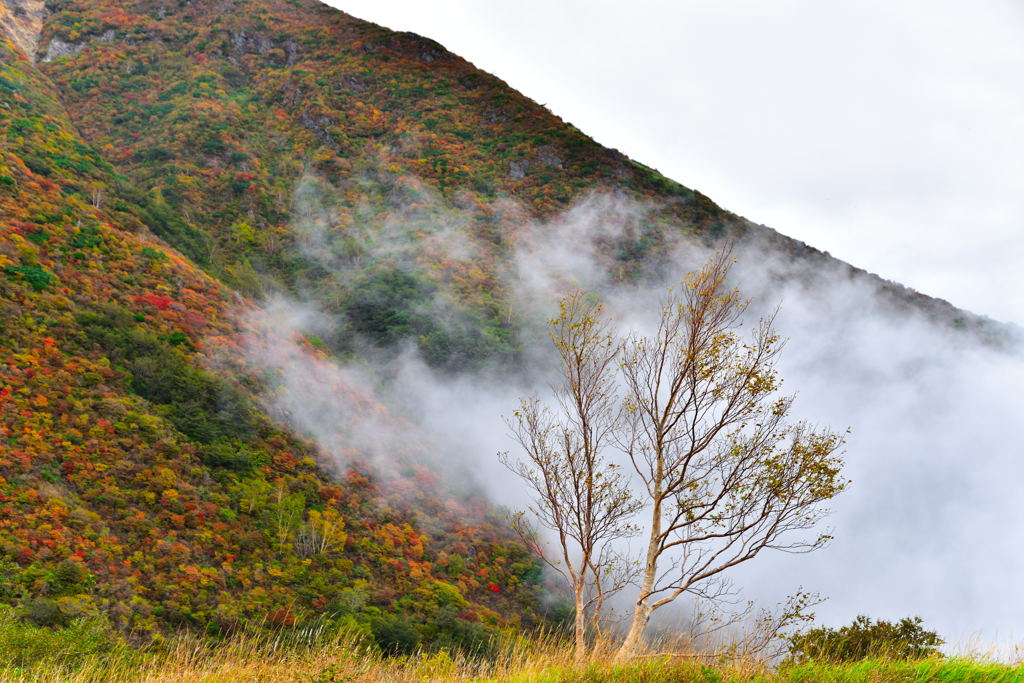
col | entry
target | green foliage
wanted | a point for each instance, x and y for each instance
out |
(68, 578)
(178, 338)
(41, 237)
(154, 211)
(36, 276)
(43, 612)
(864, 639)
(154, 154)
(153, 254)
(38, 165)
(233, 455)
(198, 403)
(87, 238)
(395, 635)
(960, 670)
(462, 342)
(447, 630)
(388, 305)
(24, 644)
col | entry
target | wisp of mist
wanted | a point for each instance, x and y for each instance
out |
(929, 525)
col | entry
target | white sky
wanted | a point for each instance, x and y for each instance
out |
(890, 134)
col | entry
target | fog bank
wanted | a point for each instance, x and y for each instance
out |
(928, 525)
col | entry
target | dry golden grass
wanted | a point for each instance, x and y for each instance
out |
(315, 656)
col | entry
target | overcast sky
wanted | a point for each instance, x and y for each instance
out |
(890, 134)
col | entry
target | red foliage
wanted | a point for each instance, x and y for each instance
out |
(159, 301)
(282, 617)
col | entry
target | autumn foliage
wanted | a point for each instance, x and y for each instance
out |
(140, 483)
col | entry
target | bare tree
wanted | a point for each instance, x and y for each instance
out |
(613, 571)
(722, 473)
(578, 494)
(97, 194)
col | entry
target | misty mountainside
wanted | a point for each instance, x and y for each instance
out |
(226, 228)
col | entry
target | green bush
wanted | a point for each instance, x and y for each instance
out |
(25, 644)
(197, 403)
(447, 630)
(68, 578)
(178, 338)
(36, 276)
(863, 639)
(395, 635)
(42, 612)
(37, 165)
(40, 237)
(389, 305)
(87, 238)
(233, 456)
(163, 220)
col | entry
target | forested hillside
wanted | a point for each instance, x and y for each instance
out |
(136, 483)
(166, 167)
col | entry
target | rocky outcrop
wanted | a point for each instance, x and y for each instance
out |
(251, 42)
(319, 126)
(547, 156)
(517, 169)
(22, 21)
(58, 47)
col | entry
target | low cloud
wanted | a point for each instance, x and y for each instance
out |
(927, 527)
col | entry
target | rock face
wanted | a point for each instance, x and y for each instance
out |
(22, 21)
(253, 42)
(546, 155)
(58, 47)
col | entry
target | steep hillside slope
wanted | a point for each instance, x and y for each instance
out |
(136, 483)
(281, 142)
(22, 22)
(164, 160)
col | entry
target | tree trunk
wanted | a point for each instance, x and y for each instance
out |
(642, 611)
(595, 617)
(634, 637)
(581, 626)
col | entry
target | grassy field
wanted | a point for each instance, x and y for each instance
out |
(85, 652)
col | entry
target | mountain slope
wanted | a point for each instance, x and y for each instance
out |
(137, 483)
(231, 117)
(162, 159)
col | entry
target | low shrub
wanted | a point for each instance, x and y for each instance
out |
(25, 642)
(864, 639)
(395, 635)
(36, 276)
